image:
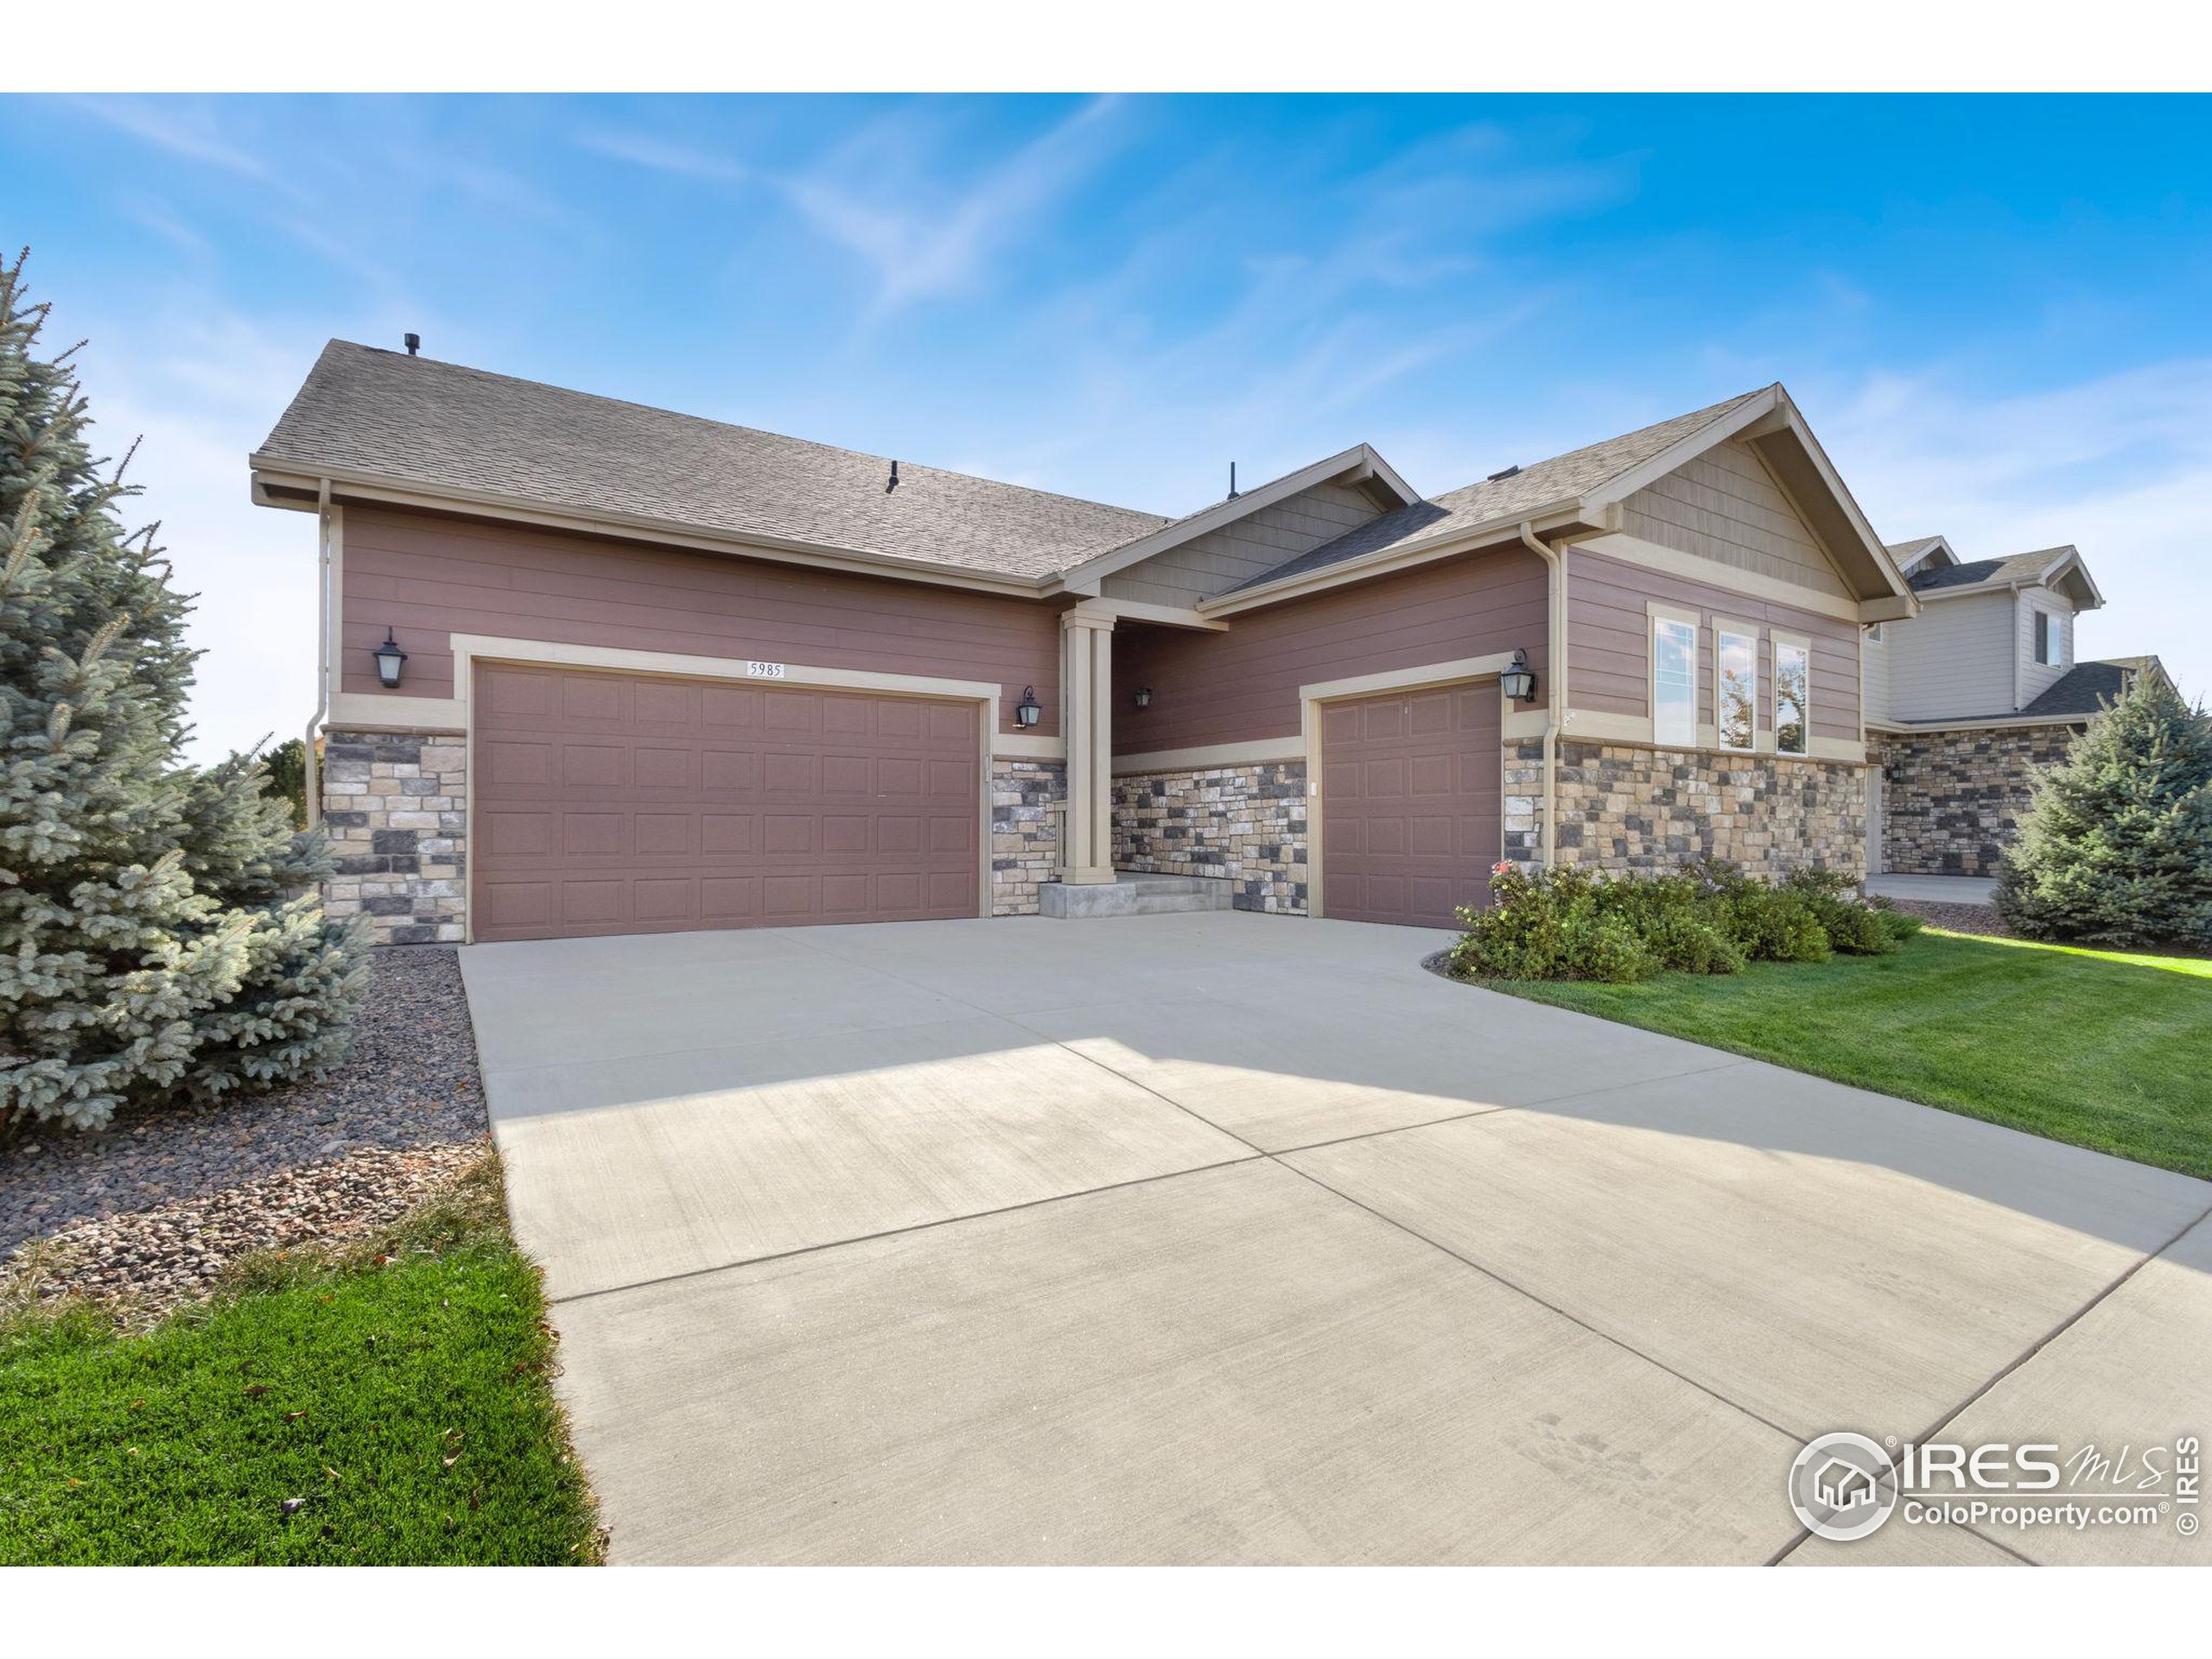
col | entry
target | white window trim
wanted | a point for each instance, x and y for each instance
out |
(1778, 641)
(1725, 629)
(1657, 611)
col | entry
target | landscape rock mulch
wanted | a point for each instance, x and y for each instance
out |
(1956, 918)
(155, 1210)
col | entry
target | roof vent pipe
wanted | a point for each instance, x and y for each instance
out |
(414, 344)
(894, 484)
(1232, 480)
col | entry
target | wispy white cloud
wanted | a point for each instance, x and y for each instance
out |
(661, 155)
(189, 129)
(2120, 466)
(920, 241)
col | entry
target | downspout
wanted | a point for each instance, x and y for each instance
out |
(1555, 560)
(309, 771)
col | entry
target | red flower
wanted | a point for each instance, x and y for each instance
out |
(1501, 868)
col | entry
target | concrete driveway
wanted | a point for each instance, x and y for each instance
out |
(1223, 1237)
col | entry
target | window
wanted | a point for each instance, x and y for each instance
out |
(2050, 640)
(1736, 687)
(1674, 682)
(1792, 676)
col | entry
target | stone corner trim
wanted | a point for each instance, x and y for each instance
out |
(1027, 800)
(1244, 824)
(394, 807)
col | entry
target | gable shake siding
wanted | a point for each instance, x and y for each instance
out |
(428, 577)
(1725, 505)
(1245, 550)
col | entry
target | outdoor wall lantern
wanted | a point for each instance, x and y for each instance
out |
(1519, 681)
(1028, 711)
(389, 660)
(1141, 696)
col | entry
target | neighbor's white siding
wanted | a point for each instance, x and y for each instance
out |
(1874, 673)
(1222, 559)
(1954, 658)
(2034, 678)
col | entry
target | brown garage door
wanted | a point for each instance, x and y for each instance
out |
(641, 803)
(1410, 786)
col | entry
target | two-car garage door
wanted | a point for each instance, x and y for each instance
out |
(642, 804)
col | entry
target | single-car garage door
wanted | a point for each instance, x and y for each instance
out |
(643, 804)
(1410, 787)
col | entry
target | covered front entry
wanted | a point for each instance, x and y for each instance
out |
(1411, 787)
(614, 803)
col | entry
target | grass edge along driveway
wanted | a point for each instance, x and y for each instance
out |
(391, 1404)
(2099, 1048)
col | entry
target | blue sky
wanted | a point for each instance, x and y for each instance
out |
(1992, 309)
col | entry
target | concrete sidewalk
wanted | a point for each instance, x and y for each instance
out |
(1935, 889)
(1223, 1238)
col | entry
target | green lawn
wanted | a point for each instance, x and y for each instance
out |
(2101, 1049)
(347, 1412)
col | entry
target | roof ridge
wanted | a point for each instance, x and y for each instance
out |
(471, 370)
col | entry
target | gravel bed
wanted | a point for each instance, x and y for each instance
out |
(1955, 919)
(154, 1208)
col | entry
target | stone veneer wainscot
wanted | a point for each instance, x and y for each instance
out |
(396, 807)
(1626, 808)
(1026, 799)
(1952, 801)
(1244, 824)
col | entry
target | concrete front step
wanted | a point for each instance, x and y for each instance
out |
(1130, 893)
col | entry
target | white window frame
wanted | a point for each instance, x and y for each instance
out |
(1781, 643)
(2051, 653)
(1662, 616)
(1745, 633)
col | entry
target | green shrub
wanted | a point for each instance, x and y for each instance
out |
(1689, 941)
(1550, 925)
(1775, 924)
(1852, 927)
(1901, 923)
(1709, 919)
(1604, 948)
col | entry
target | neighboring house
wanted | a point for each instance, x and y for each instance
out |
(1969, 701)
(661, 673)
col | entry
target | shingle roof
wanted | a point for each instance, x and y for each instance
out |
(414, 420)
(2021, 567)
(1905, 552)
(2087, 686)
(1528, 490)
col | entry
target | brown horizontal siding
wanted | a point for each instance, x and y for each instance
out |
(1242, 685)
(428, 578)
(1608, 640)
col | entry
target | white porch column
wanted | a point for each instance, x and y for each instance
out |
(1087, 717)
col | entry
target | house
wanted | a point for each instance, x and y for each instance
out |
(1967, 703)
(595, 668)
